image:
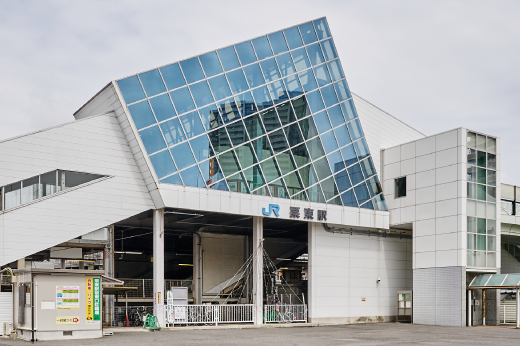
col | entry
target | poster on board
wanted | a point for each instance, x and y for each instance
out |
(93, 300)
(67, 297)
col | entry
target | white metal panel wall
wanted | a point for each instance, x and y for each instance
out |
(6, 308)
(382, 130)
(95, 145)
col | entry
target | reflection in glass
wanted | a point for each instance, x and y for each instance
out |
(329, 141)
(322, 168)
(491, 194)
(237, 81)
(301, 155)
(374, 186)
(342, 135)
(192, 70)
(201, 148)
(362, 149)
(30, 189)
(285, 64)
(245, 104)
(481, 175)
(141, 114)
(172, 76)
(328, 49)
(322, 28)
(262, 48)
(329, 188)
(309, 130)
(270, 69)
(293, 134)
(367, 205)
(201, 93)
(481, 142)
(285, 162)
(278, 141)
(308, 34)
(221, 185)
(292, 35)
(491, 145)
(228, 110)
(254, 177)
(192, 177)
(315, 148)
(354, 127)
(254, 75)
(237, 183)
(210, 64)
(335, 114)
(219, 87)
(246, 155)
(368, 168)
(172, 131)
(182, 100)
(300, 59)
(286, 113)
(182, 156)
(211, 171)
(472, 191)
(293, 86)
(48, 183)
(491, 177)
(491, 227)
(335, 69)
(152, 82)
(362, 193)
(315, 194)
(262, 98)
(254, 126)
(471, 140)
(315, 101)
(152, 139)
(348, 110)
(315, 55)
(293, 183)
(131, 89)
(301, 108)
(278, 92)
(481, 159)
(491, 161)
(162, 107)
(322, 75)
(245, 53)
(302, 196)
(342, 181)
(220, 140)
(342, 90)
(263, 191)
(307, 80)
(278, 189)
(237, 133)
(278, 42)
(355, 174)
(210, 117)
(349, 155)
(481, 192)
(192, 124)
(262, 148)
(322, 121)
(349, 199)
(308, 175)
(228, 58)
(336, 161)
(472, 156)
(172, 179)
(472, 174)
(229, 163)
(379, 203)
(270, 119)
(163, 164)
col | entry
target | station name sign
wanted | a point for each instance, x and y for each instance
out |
(294, 212)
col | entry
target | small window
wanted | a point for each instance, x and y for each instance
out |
(400, 187)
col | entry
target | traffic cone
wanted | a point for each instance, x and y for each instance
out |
(127, 321)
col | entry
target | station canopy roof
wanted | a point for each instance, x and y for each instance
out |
(495, 281)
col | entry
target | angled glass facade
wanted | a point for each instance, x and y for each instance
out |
(272, 116)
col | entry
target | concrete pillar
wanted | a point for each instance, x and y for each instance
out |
(469, 307)
(197, 272)
(158, 265)
(258, 268)
(109, 271)
(311, 279)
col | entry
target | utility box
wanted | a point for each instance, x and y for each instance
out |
(177, 301)
(53, 304)
(405, 306)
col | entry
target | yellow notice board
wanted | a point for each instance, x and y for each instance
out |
(67, 320)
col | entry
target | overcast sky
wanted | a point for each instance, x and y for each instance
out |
(436, 65)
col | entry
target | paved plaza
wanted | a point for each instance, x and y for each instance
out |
(359, 334)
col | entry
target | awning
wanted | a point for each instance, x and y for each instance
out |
(495, 281)
(117, 290)
(107, 280)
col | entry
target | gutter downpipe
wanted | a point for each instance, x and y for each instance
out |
(32, 307)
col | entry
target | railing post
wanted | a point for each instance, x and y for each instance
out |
(144, 295)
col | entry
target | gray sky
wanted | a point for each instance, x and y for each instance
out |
(436, 65)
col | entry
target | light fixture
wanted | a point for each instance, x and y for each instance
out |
(283, 259)
(186, 264)
(282, 268)
(129, 252)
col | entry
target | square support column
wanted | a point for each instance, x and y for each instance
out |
(158, 265)
(311, 280)
(197, 272)
(258, 268)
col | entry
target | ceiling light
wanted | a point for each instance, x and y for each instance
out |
(129, 252)
(186, 264)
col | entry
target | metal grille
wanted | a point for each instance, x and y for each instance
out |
(508, 311)
(145, 287)
(285, 313)
(211, 314)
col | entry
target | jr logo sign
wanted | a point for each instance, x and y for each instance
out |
(273, 208)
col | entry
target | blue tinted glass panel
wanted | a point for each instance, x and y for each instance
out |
(374, 187)
(342, 135)
(315, 54)
(278, 42)
(262, 148)
(292, 35)
(210, 117)
(308, 34)
(329, 188)
(245, 53)
(329, 96)
(192, 177)
(348, 110)
(278, 92)
(219, 87)
(228, 58)
(362, 193)
(246, 155)
(342, 181)
(228, 110)
(349, 199)
(342, 90)
(315, 148)
(191, 124)
(141, 114)
(329, 142)
(210, 64)
(182, 156)
(270, 70)
(262, 48)
(162, 107)
(285, 63)
(300, 59)
(322, 28)
(315, 101)
(278, 141)
(152, 139)
(355, 174)
(335, 115)
(322, 168)
(172, 179)
(182, 100)
(349, 155)
(237, 81)
(308, 81)
(152, 82)
(172, 75)
(245, 104)
(301, 107)
(219, 140)
(379, 203)
(237, 133)
(271, 121)
(367, 205)
(336, 162)
(163, 164)
(201, 148)
(172, 131)
(192, 70)
(322, 121)
(354, 127)
(315, 194)
(286, 113)
(254, 75)
(262, 98)
(294, 88)
(211, 171)
(361, 149)
(322, 75)
(335, 69)
(201, 93)
(308, 128)
(131, 89)
(328, 49)
(221, 185)
(368, 168)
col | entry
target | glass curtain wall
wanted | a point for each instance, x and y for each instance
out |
(271, 116)
(481, 200)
